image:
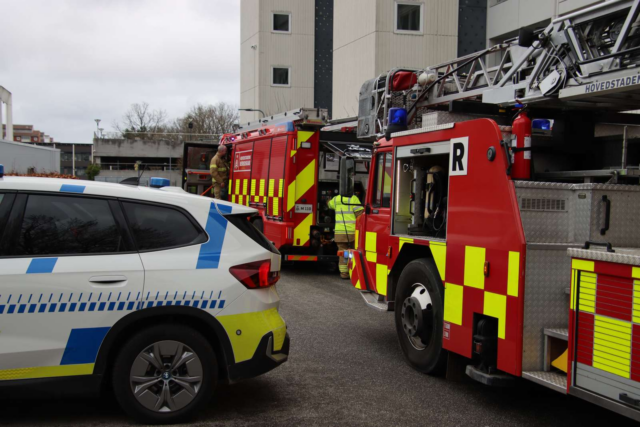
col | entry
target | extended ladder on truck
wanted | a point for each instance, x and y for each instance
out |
(511, 245)
(287, 167)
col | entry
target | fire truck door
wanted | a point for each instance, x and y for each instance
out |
(378, 221)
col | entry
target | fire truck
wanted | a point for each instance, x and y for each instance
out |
(501, 216)
(286, 166)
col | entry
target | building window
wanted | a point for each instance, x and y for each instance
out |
(281, 22)
(280, 76)
(409, 17)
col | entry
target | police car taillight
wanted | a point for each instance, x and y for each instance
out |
(255, 275)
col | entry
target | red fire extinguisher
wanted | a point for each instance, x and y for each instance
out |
(521, 130)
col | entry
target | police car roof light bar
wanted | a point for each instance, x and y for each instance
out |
(156, 182)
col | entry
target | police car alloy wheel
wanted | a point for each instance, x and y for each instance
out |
(165, 374)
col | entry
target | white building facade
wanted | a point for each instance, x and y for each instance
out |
(318, 53)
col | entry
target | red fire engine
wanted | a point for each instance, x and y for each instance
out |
(510, 243)
(287, 167)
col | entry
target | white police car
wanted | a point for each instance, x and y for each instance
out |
(155, 292)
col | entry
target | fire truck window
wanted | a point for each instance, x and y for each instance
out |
(282, 22)
(386, 187)
(408, 17)
(280, 76)
(378, 181)
(382, 181)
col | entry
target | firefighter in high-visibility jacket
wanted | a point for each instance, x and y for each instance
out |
(347, 210)
(219, 171)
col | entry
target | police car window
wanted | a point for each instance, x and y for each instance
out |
(155, 227)
(59, 225)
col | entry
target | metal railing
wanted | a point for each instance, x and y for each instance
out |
(139, 166)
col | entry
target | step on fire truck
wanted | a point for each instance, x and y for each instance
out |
(501, 217)
(287, 167)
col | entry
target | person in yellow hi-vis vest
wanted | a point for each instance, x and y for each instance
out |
(347, 210)
(219, 171)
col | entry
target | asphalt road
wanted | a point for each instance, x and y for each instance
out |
(345, 369)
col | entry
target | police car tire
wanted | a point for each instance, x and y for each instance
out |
(143, 339)
(431, 360)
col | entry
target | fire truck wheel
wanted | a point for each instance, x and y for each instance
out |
(259, 224)
(419, 316)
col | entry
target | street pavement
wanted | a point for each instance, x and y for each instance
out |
(345, 369)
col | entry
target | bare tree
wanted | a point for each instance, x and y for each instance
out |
(142, 122)
(213, 120)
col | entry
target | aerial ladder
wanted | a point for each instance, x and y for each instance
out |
(585, 60)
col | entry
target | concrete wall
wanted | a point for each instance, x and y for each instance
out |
(136, 148)
(366, 44)
(19, 158)
(294, 50)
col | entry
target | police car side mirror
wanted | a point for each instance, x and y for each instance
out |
(347, 175)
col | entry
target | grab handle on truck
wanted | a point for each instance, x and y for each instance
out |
(591, 242)
(507, 151)
(628, 399)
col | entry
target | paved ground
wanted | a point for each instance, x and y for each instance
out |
(346, 368)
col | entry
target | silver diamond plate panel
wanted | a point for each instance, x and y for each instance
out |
(620, 256)
(585, 213)
(553, 380)
(565, 186)
(548, 273)
(547, 226)
(623, 224)
(560, 333)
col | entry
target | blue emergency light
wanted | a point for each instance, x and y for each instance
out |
(542, 124)
(398, 116)
(1, 171)
(156, 182)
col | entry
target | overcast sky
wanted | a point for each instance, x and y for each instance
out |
(68, 62)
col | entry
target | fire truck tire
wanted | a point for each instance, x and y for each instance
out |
(153, 383)
(419, 315)
(259, 224)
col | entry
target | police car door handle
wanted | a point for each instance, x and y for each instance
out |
(108, 280)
